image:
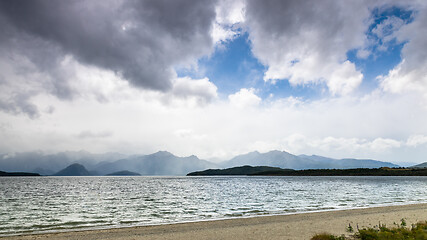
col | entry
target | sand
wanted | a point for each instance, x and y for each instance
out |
(294, 226)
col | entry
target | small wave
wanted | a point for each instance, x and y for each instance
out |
(234, 215)
(255, 211)
(66, 224)
(128, 222)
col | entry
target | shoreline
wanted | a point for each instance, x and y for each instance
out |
(282, 226)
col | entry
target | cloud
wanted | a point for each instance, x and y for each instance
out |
(244, 98)
(386, 29)
(189, 133)
(229, 16)
(411, 74)
(222, 34)
(139, 41)
(90, 134)
(307, 42)
(19, 104)
(230, 12)
(16, 90)
(380, 144)
(416, 140)
(330, 146)
(201, 91)
(107, 67)
(344, 79)
(380, 126)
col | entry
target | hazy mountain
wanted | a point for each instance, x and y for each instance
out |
(406, 164)
(287, 160)
(421, 165)
(273, 159)
(48, 164)
(159, 163)
(165, 163)
(348, 163)
(74, 170)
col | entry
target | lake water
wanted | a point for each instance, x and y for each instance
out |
(40, 204)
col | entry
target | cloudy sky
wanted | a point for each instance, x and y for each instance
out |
(215, 78)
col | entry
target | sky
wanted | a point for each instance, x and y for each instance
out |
(342, 79)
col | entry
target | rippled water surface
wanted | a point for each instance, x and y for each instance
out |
(38, 204)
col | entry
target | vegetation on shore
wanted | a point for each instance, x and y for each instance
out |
(415, 232)
(384, 171)
(18, 174)
(243, 170)
(274, 171)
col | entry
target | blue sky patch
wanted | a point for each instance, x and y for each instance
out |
(232, 66)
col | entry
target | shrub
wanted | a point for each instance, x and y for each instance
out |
(417, 232)
(326, 236)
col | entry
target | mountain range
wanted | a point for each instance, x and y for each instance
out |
(284, 159)
(165, 163)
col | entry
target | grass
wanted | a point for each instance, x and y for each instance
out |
(401, 232)
(326, 236)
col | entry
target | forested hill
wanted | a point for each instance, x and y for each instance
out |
(270, 171)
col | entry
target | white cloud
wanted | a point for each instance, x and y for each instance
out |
(387, 28)
(416, 140)
(244, 98)
(363, 53)
(230, 11)
(411, 74)
(221, 34)
(381, 144)
(229, 16)
(307, 42)
(337, 127)
(189, 133)
(198, 91)
(344, 79)
(336, 146)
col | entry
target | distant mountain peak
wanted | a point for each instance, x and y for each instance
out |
(74, 169)
(162, 154)
(278, 152)
(250, 153)
(193, 156)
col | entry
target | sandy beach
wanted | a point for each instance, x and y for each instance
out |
(294, 226)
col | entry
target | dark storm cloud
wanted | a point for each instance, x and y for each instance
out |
(139, 40)
(20, 104)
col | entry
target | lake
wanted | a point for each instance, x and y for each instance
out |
(42, 204)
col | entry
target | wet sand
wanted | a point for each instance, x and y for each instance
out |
(294, 226)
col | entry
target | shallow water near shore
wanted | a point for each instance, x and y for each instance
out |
(40, 204)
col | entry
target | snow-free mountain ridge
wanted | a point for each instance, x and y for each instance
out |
(165, 163)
